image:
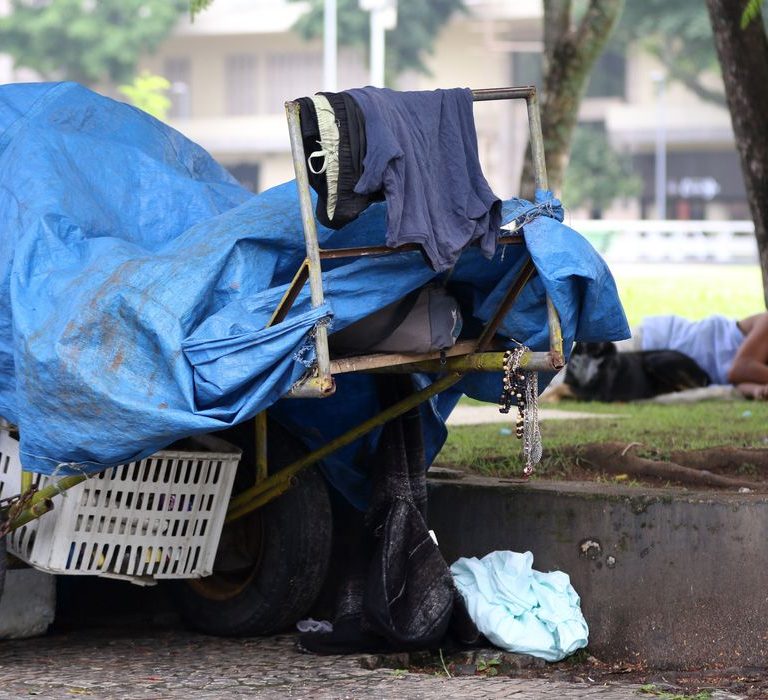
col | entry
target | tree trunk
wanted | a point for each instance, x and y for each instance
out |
(569, 54)
(743, 56)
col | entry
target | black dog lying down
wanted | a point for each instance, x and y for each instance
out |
(598, 372)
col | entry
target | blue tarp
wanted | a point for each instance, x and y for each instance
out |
(137, 277)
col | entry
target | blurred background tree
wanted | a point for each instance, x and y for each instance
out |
(196, 6)
(418, 23)
(88, 41)
(597, 173)
(575, 34)
(678, 33)
(150, 93)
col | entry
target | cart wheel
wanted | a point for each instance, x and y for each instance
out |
(271, 564)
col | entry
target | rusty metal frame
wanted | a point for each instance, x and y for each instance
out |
(467, 357)
(321, 383)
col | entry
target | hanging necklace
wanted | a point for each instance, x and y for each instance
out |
(522, 388)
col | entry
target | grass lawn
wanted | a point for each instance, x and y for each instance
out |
(490, 450)
(689, 290)
(693, 291)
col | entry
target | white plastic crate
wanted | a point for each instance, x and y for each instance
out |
(157, 518)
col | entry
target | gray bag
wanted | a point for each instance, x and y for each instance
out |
(426, 320)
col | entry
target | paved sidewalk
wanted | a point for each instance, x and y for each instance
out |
(175, 664)
(476, 415)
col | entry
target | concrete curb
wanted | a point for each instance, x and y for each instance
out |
(479, 415)
(28, 604)
(668, 577)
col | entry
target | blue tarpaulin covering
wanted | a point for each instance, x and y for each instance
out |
(137, 279)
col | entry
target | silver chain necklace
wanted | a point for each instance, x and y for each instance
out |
(522, 388)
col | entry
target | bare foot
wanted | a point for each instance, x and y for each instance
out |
(753, 391)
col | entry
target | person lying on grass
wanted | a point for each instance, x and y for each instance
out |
(729, 351)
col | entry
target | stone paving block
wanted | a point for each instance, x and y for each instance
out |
(176, 665)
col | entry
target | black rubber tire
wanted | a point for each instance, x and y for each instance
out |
(293, 538)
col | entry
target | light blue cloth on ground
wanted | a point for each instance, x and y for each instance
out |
(519, 609)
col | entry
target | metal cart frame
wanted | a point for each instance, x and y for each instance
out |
(481, 354)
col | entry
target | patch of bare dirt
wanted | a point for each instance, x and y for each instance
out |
(729, 468)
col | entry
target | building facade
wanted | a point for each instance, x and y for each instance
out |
(234, 66)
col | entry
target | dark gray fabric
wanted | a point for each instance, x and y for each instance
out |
(410, 598)
(421, 150)
(425, 320)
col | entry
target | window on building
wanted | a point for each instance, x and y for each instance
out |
(247, 174)
(608, 77)
(526, 68)
(241, 84)
(291, 75)
(178, 71)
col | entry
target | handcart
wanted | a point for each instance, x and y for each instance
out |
(254, 562)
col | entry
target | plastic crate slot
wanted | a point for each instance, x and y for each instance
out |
(112, 558)
(161, 529)
(162, 567)
(79, 555)
(70, 555)
(196, 469)
(184, 560)
(195, 558)
(173, 471)
(93, 556)
(126, 563)
(183, 471)
(205, 472)
(18, 537)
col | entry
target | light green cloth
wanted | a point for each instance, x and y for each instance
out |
(519, 609)
(329, 148)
